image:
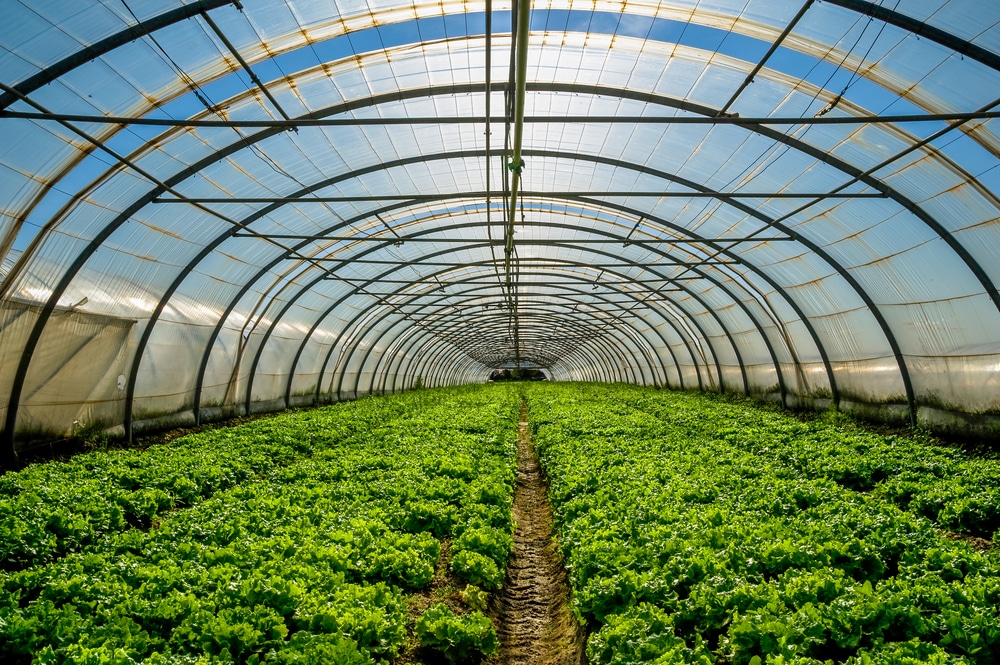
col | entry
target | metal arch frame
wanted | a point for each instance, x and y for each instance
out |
(801, 316)
(722, 326)
(208, 248)
(440, 355)
(653, 359)
(861, 6)
(249, 284)
(592, 351)
(401, 345)
(349, 326)
(82, 258)
(742, 305)
(837, 267)
(750, 316)
(195, 7)
(651, 98)
(688, 315)
(659, 361)
(681, 336)
(570, 365)
(592, 203)
(440, 352)
(403, 342)
(605, 357)
(765, 220)
(597, 363)
(900, 20)
(869, 303)
(217, 330)
(404, 345)
(344, 330)
(85, 254)
(494, 322)
(452, 324)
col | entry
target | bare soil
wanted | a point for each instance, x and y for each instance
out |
(532, 613)
(977, 543)
(445, 588)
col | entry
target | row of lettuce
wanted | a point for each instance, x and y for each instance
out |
(700, 529)
(307, 538)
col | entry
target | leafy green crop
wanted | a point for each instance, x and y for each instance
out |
(293, 539)
(704, 527)
(459, 638)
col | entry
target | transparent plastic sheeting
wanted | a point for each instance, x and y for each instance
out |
(156, 274)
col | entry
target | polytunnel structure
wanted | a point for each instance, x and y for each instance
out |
(213, 207)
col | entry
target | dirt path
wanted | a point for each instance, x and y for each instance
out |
(533, 618)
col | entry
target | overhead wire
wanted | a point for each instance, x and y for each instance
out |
(488, 134)
(776, 151)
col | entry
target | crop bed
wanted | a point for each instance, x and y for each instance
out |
(701, 529)
(310, 537)
(695, 529)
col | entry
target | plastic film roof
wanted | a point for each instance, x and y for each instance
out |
(214, 207)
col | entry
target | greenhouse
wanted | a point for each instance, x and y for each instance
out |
(215, 210)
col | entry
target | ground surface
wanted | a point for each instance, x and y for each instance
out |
(532, 613)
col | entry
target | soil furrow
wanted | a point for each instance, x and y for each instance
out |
(532, 614)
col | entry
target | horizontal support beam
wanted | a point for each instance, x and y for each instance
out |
(521, 284)
(529, 194)
(527, 297)
(444, 283)
(522, 241)
(474, 120)
(528, 262)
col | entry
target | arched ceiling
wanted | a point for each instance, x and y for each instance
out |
(286, 201)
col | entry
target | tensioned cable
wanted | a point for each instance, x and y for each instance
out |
(252, 232)
(489, 131)
(213, 108)
(822, 112)
(252, 319)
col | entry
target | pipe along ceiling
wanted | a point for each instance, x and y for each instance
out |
(216, 207)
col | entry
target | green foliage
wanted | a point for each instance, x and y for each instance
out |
(475, 597)
(477, 569)
(741, 534)
(292, 539)
(459, 638)
(312, 649)
(642, 634)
